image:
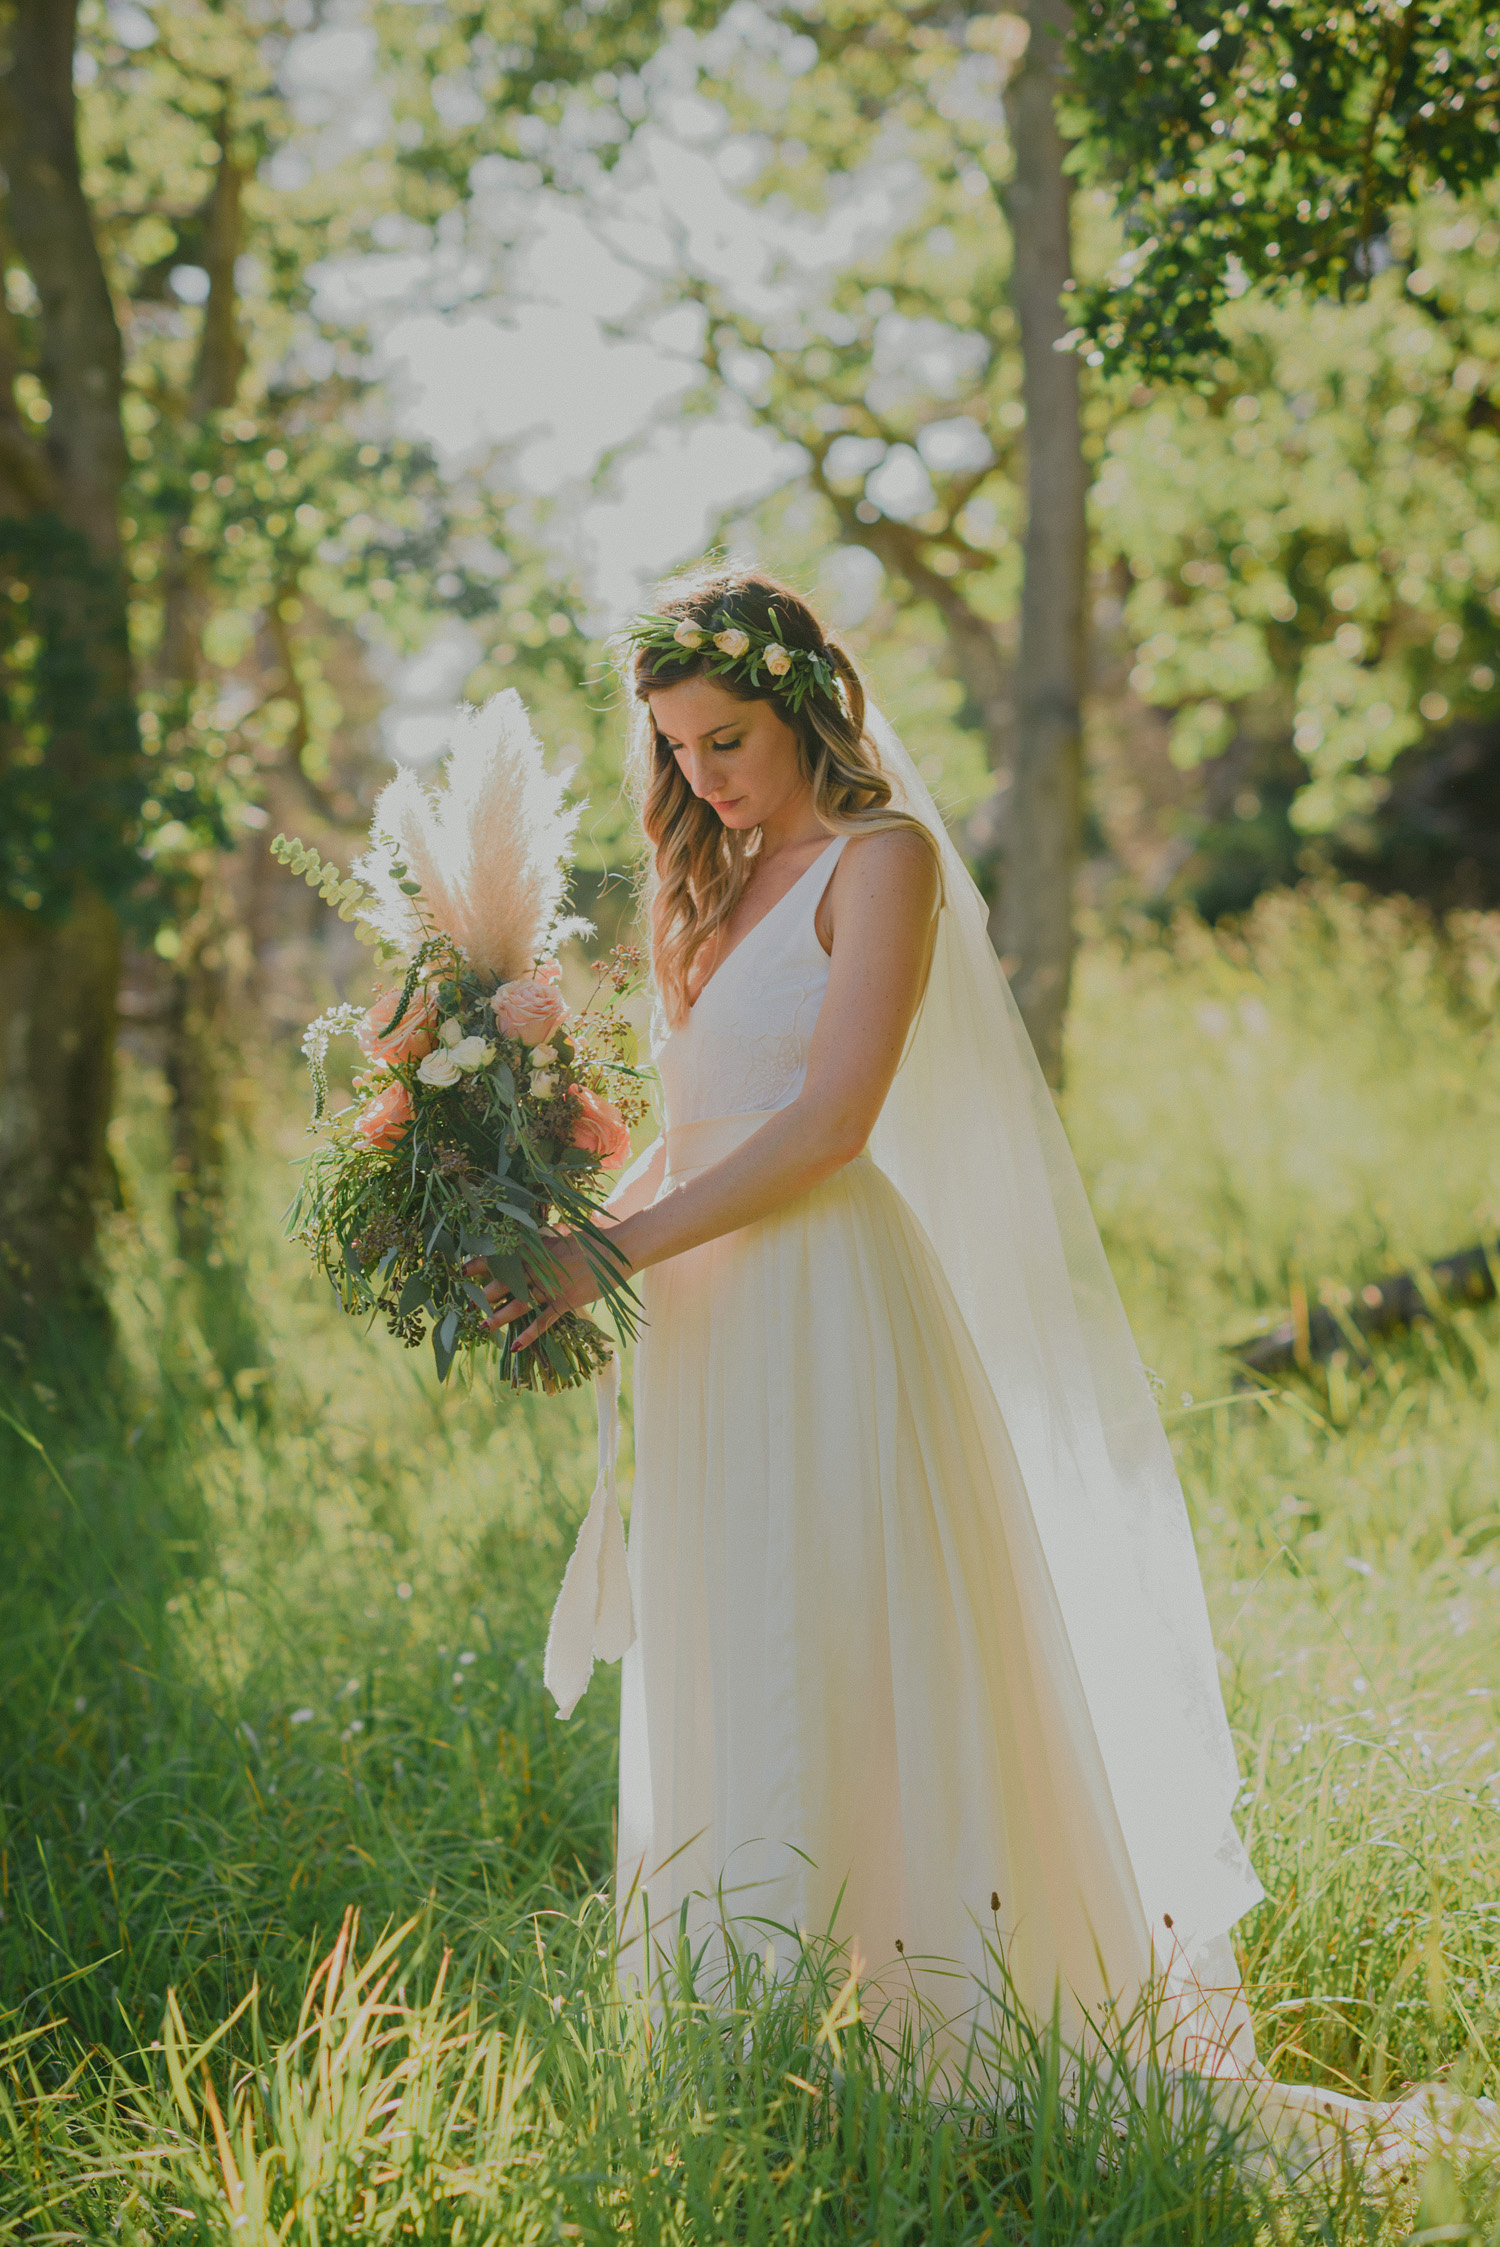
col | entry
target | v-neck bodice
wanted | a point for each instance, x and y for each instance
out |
(744, 1046)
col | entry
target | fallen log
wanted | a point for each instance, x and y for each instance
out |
(1338, 1322)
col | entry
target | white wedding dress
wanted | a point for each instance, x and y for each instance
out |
(915, 1645)
(851, 1700)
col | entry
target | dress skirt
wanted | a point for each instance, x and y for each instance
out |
(851, 1706)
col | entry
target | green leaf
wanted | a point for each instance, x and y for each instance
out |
(443, 1344)
(416, 1295)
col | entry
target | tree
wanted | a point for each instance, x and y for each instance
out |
(869, 89)
(70, 778)
(1267, 145)
(215, 464)
(1040, 839)
(1310, 545)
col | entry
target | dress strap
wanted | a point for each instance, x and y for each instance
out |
(820, 874)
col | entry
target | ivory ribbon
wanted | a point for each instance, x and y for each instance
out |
(594, 1619)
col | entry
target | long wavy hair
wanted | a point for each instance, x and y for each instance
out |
(700, 868)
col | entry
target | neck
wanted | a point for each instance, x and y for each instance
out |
(792, 823)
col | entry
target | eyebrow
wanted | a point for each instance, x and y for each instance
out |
(712, 732)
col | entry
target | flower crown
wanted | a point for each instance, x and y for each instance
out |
(740, 651)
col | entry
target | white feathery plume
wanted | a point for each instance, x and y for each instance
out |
(490, 846)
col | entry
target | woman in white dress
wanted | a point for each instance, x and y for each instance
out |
(917, 1646)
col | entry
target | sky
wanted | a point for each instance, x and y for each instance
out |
(542, 374)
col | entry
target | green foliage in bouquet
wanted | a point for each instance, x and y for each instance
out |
(489, 1113)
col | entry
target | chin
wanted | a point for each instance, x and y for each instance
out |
(736, 816)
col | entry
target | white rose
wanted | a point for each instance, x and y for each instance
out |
(733, 644)
(778, 660)
(438, 1069)
(688, 635)
(472, 1053)
(544, 1057)
(543, 1084)
(450, 1031)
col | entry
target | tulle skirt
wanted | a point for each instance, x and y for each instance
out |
(851, 1704)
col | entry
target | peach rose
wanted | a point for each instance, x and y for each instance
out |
(529, 1009)
(412, 1036)
(384, 1119)
(600, 1129)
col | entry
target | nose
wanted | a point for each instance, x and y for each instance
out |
(698, 772)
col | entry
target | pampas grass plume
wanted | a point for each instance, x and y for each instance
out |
(490, 846)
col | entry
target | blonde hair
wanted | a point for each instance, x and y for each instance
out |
(700, 868)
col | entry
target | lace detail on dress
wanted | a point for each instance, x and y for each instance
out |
(745, 1044)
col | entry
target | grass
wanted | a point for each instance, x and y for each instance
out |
(272, 1617)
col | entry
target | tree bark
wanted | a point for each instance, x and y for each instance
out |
(197, 1044)
(1032, 920)
(59, 975)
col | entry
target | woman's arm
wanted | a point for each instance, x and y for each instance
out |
(637, 1187)
(882, 897)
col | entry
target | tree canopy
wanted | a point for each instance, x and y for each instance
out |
(1259, 143)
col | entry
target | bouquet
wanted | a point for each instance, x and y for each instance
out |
(488, 1111)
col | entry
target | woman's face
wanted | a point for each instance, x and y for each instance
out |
(741, 758)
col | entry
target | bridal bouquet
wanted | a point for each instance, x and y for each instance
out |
(488, 1111)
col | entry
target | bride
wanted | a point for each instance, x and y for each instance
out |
(920, 1646)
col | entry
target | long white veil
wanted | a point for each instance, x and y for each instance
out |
(971, 1139)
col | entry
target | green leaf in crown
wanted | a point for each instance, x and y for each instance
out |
(740, 651)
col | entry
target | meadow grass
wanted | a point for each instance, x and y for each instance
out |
(272, 1616)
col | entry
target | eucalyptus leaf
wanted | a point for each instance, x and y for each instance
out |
(443, 1344)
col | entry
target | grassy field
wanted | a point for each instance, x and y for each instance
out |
(272, 1613)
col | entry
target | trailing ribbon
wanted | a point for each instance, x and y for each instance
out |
(594, 1619)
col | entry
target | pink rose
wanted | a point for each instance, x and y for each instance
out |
(529, 1009)
(385, 1118)
(412, 1036)
(600, 1129)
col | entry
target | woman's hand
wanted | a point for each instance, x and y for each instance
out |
(568, 1283)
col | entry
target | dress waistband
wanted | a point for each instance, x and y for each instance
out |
(691, 1147)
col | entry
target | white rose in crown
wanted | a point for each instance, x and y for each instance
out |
(733, 644)
(778, 660)
(688, 635)
(439, 1069)
(543, 1084)
(471, 1053)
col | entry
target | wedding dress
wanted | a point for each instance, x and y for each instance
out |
(915, 1643)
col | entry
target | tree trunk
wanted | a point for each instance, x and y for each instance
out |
(59, 971)
(197, 1059)
(57, 1037)
(1032, 921)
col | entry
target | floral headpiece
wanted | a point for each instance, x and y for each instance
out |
(740, 651)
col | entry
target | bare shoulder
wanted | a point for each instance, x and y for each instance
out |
(884, 891)
(894, 866)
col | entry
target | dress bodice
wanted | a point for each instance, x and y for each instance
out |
(744, 1046)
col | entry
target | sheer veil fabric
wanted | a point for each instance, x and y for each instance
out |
(970, 1137)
